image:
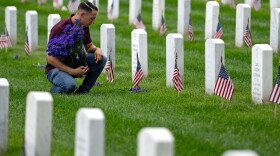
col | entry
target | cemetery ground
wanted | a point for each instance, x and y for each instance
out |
(198, 122)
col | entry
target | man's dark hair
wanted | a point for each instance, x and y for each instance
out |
(87, 6)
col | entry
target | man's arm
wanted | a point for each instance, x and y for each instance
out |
(78, 72)
(98, 54)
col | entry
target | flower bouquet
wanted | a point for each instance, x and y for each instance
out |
(68, 46)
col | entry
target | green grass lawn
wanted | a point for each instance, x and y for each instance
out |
(199, 125)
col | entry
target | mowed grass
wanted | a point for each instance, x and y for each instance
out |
(199, 125)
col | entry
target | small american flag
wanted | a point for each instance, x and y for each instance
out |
(26, 48)
(224, 86)
(247, 36)
(9, 41)
(111, 9)
(162, 29)
(138, 22)
(257, 4)
(73, 5)
(177, 81)
(3, 41)
(138, 74)
(275, 94)
(190, 30)
(109, 70)
(219, 31)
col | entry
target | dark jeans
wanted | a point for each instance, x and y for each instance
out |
(65, 83)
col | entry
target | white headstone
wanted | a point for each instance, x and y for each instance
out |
(243, 13)
(139, 46)
(158, 12)
(214, 52)
(184, 10)
(134, 9)
(274, 4)
(90, 132)
(4, 114)
(261, 73)
(113, 9)
(11, 22)
(32, 26)
(212, 18)
(249, 2)
(95, 2)
(107, 42)
(275, 29)
(155, 142)
(52, 20)
(226, 1)
(239, 153)
(38, 124)
(57, 4)
(174, 46)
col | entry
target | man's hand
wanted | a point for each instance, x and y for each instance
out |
(80, 71)
(98, 54)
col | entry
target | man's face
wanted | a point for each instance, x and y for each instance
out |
(88, 18)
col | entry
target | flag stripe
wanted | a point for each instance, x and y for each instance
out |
(177, 81)
(224, 86)
(138, 74)
(247, 36)
(190, 31)
(26, 45)
(110, 72)
(219, 31)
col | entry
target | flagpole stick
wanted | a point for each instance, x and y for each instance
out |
(275, 110)
(6, 49)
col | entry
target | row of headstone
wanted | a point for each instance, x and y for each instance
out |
(261, 68)
(90, 129)
(243, 16)
(89, 134)
(214, 52)
(243, 20)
